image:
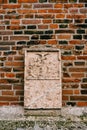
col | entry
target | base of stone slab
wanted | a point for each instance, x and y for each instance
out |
(42, 112)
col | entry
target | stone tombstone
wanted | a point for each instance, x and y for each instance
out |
(42, 79)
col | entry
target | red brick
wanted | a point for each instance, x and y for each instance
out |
(60, 15)
(64, 36)
(42, 11)
(45, 21)
(9, 98)
(43, 26)
(73, 11)
(15, 27)
(7, 93)
(79, 5)
(6, 33)
(76, 92)
(77, 75)
(58, 5)
(4, 103)
(76, 69)
(2, 75)
(76, 16)
(57, 11)
(53, 42)
(78, 98)
(71, 80)
(11, 6)
(3, 81)
(18, 87)
(26, 11)
(5, 87)
(17, 103)
(76, 42)
(31, 21)
(19, 92)
(43, 5)
(68, 6)
(2, 27)
(27, 1)
(18, 58)
(54, 26)
(15, 21)
(10, 75)
(83, 10)
(68, 57)
(67, 92)
(81, 104)
(19, 38)
(2, 11)
(82, 57)
(65, 98)
(27, 6)
(8, 63)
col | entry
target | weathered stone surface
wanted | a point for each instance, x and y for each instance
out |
(42, 79)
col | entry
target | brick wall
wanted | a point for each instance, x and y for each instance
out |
(60, 23)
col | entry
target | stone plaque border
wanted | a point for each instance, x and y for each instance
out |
(43, 111)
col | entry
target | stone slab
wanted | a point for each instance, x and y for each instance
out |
(42, 87)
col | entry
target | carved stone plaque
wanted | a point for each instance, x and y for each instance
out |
(42, 79)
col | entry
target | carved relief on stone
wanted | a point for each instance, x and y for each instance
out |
(42, 65)
(42, 79)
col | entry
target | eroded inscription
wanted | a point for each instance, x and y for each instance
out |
(42, 79)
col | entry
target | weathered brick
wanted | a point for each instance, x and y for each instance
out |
(71, 80)
(52, 42)
(43, 5)
(6, 43)
(81, 104)
(11, 6)
(3, 48)
(5, 69)
(76, 69)
(19, 38)
(77, 75)
(64, 36)
(64, 31)
(67, 92)
(62, 21)
(7, 93)
(43, 26)
(79, 63)
(8, 63)
(78, 5)
(58, 5)
(10, 53)
(79, 98)
(27, 1)
(82, 57)
(68, 5)
(77, 92)
(60, 15)
(31, 21)
(6, 33)
(10, 75)
(68, 58)
(9, 98)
